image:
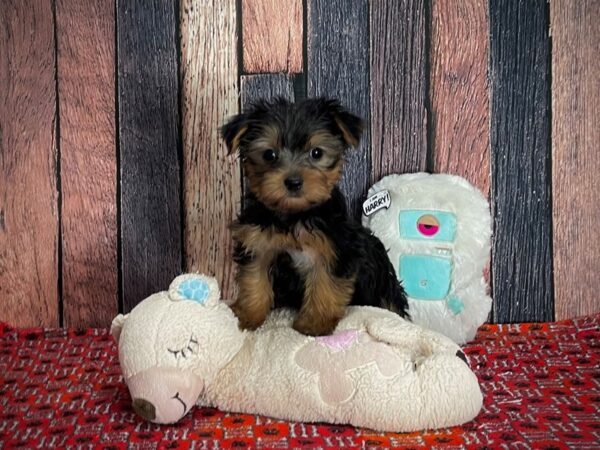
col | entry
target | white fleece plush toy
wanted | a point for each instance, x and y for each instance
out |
(437, 231)
(183, 347)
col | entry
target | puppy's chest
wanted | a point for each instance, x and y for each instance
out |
(303, 260)
(311, 248)
(307, 247)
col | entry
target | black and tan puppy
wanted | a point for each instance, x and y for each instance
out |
(295, 243)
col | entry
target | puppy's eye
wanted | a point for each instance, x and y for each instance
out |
(316, 153)
(270, 155)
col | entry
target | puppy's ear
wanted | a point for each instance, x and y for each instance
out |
(233, 131)
(350, 126)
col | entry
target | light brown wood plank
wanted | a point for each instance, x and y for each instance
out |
(459, 90)
(28, 194)
(86, 88)
(272, 36)
(575, 27)
(212, 180)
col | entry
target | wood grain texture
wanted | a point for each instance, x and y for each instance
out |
(272, 36)
(149, 143)
(212, 187)
(575, 160)
(88, 161)
(398, 87)
(520, 157)
(269, 86)
(338, 67)
(460, 133)
(28, 178)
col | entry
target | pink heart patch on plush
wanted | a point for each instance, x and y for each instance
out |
(338, 341)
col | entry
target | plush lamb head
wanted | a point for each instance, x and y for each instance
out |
(183, 346)
(173, 344)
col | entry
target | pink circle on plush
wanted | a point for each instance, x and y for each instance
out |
(338, 341)
(428, 225)
(428, 230)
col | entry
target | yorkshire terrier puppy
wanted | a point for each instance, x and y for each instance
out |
(296, 245)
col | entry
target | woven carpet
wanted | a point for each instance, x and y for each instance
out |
(63, 389)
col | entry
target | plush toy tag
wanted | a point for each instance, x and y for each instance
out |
(376, 202)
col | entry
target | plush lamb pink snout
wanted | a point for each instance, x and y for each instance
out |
(164, 394)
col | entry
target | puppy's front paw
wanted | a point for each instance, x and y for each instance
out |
(248, 321)
(312, 327)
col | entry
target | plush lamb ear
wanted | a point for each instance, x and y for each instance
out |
(117, 326)
(350, 126)
(195, 287)
(233, 131)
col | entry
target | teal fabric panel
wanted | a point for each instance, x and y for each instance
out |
(455, 305)
(425, 277)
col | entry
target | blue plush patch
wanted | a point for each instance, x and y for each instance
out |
(429, 225)
(425, 277)
(455, 305)
(196, 290)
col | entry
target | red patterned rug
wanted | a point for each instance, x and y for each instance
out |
(63, 389)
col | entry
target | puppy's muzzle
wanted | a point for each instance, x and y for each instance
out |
(294, 183)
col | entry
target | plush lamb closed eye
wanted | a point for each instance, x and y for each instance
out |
(183, 347)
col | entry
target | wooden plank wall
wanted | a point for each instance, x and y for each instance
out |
(114, 179)
(398, 87)
(29, 221)
(520, 177)
(211, 178)
(575, 33)
(273, 45)
(149, 143)
(458, 87)
(88, 160)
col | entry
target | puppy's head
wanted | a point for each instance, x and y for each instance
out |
(292, 153)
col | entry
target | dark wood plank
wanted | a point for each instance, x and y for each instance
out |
(28, 178)
(460, 133)
(398, 87)
(149, 143)
(272, 36)
(256, 87)
(86, 87)
(212, 185)
(338, 67)
(575, 161)
(520, 146)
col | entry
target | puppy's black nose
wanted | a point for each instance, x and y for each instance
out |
(293, 184)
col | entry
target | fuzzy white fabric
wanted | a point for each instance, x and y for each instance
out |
(468, 252)
(377, 370)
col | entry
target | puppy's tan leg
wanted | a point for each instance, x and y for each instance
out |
(255, 296)
(325, 301)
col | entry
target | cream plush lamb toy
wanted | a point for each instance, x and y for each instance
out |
(183, 347)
